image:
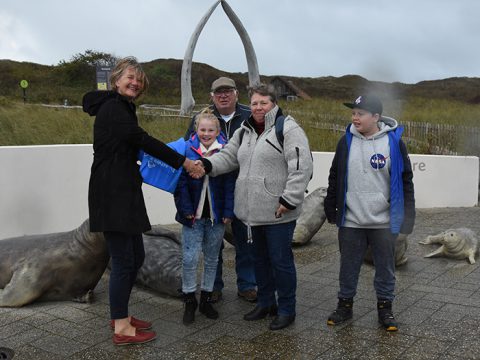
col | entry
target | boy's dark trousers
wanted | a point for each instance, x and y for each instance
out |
(353, 243)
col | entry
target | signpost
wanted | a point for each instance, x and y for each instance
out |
(24, 85)
(103, 77)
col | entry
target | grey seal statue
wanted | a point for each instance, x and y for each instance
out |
(311, 218)
(309, 222)
(458, 243)
(68, 265)
(58, 266)
(162, 268)
(401, 246)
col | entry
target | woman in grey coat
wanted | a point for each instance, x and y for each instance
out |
(269, 192)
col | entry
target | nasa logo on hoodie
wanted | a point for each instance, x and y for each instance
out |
(378, 161)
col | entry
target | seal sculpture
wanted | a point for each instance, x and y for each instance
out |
(401, 245)
(68, 265)
(162, 268)
(309, 222)
(311, 218)
(456, 243)
(58, 266)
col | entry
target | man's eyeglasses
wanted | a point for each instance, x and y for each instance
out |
(223, 92)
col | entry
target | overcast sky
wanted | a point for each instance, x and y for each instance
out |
(386, 40)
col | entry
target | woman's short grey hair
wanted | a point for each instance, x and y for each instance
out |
(264, 90)
(124, 64)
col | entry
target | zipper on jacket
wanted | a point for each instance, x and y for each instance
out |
(210, 202)
(249, 228)
(298, 157)
(268, 141)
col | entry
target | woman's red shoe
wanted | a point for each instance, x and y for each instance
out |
(136, 323)
(140, 337)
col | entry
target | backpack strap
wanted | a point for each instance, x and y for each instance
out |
(242, 132)
(279, 121)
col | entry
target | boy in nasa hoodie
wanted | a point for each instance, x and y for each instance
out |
(370, 197)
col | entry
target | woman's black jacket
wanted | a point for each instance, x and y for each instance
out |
(115, 198)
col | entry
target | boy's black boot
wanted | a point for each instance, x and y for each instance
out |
(190, 303)
(206, 307)
(342, 313)
(385, 315)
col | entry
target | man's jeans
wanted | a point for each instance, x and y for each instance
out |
(244, 263)
(275, 267)
(206, 237)
(353, 244)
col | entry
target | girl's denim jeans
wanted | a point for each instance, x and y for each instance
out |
(206, 237)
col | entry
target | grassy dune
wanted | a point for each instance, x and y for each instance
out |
(323, 120)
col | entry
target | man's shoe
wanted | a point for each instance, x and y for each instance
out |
(216, 296)
(136, 323)
(140, 337)
(385, 315)
(260, 313)
(343, 312)
(249, 295)
(281, 321)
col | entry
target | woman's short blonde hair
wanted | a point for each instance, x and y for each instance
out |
(124, 64)
(207, 113)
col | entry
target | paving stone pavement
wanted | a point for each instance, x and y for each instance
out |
(437, 307)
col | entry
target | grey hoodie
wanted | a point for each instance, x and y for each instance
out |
(368, 178)
(268, 173)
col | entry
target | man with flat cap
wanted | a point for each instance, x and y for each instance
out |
(231, 114)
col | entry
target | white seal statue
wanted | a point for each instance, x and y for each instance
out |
(456, 243)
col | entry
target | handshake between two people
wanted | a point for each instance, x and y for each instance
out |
(194, 168)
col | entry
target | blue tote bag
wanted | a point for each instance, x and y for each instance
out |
(159, 174)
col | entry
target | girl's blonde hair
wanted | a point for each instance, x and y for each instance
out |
(124, 64)
(207, 113)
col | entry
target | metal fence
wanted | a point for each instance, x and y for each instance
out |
(425, 138)
(444, 139)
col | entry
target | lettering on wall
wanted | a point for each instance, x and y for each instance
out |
(419, 166)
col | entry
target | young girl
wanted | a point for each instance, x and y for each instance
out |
(204, 206)
(370, 197)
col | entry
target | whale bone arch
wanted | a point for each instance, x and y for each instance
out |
(188, 102)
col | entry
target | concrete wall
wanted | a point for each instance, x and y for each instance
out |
(44, 188)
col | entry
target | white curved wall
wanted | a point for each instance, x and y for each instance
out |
(44, 188)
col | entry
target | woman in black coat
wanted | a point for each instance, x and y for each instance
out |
(115, 198)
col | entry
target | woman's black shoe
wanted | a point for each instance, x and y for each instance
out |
(260, 313)
(281, 321)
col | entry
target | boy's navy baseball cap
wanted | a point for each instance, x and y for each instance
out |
(370, 103)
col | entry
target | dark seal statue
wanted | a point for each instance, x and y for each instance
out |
(68, 265)
(162, 268)
(58, 266)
